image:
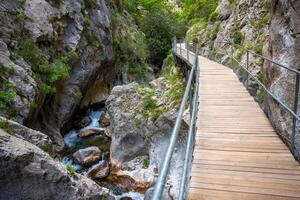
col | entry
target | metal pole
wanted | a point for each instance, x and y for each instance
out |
(187, 51)
(180, 48)
(175, 42)
(247, 67)
(295, 111)
(166, 163)
(190, 140)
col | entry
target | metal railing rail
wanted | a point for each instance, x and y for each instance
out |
(292, 111)
(193, 97)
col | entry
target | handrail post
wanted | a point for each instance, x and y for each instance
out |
(296, 98)
(247, 67)
(175, 44)
(180, 48)
(187, 50)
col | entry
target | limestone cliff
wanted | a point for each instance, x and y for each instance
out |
(284, 48)
(56, 55)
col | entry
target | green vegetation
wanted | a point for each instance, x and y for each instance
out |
(146, 162)
(213, 16)
(104, 196)
(171, 98)
(86, 21)
(160, 22)
(238, 37)
(199, 9)
(71, 169)
(131, 47)
(7, 90)
(48, 67)
(4, 125)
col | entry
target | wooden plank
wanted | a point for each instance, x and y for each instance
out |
(238, 155)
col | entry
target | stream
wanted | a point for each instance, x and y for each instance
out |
(99, 139)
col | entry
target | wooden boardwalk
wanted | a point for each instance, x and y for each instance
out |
(237, 155)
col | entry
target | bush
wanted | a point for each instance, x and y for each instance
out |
(71, 169)
(238, 37)
(213, 16)
(48, 67)
(4, 125)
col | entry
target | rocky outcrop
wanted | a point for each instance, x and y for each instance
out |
(29, 173)
(136, 134)
(22, 132)
(284, 48)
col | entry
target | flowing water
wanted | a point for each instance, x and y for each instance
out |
(74, 143)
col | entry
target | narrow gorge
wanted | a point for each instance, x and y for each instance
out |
(90, 89)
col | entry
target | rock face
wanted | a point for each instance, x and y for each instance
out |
(284, 48)
(134, 134)
(23, 165)
(237, 24)
(35, 137)
(87, 156)
(18, 81)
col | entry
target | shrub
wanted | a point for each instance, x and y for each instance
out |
(213, 16)
(238, 37)
(71, 169)
(48, 67)
(4, 125)
(86, 21)
(146, 162)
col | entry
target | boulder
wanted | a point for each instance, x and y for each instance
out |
(29, 173)
(100, 170)
(87, 156)
(83, 122)
(91, 132)
(138, 141)
(128, 135)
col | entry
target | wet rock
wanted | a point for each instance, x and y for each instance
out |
(104, 120)
(87, 156)
(129, 181)
(29, 173)
(83, 122)
(90, 132)
(99, 171)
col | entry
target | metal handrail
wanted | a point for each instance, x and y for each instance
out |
(292, 112)
(160, 183)
(291, 68)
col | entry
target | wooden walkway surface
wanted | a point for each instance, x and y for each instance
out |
(238, 155)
